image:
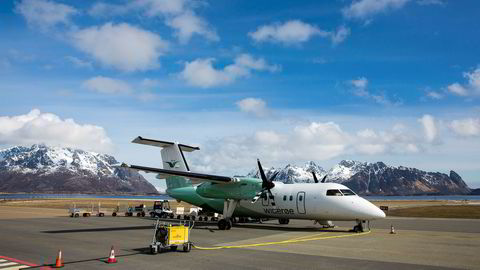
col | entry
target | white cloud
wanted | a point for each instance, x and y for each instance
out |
(434, 95)
(366, 9)
(360, 89)
(457, 89)
(37, 127)
(45, 14)
(256, 106)
(188, 24)
(178, 14)
(472, 87)
(313, 141)
(79, 62)
(466, 127)
(106, 85)
(295, 32)
(121, 46)
(429, 127)
(202, 73)
(431, 3)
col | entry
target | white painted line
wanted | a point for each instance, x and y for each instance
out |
(2, 260)
(16, 267)
(7, 264)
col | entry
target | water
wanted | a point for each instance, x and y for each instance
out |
(22, 196)
(424, 198)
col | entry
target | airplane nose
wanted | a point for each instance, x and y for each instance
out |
(379, 214)
(371, 211)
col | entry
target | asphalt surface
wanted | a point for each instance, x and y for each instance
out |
(86, 242)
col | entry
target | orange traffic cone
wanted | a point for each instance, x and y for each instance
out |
(392, 229)
(59, 261)
(112, 259)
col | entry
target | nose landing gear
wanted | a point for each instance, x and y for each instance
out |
(359, 227)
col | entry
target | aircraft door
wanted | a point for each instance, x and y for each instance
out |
(301, 202)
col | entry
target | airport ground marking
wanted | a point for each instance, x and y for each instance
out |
(289, 241)
(16, 263)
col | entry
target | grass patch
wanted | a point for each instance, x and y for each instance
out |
(438, 211)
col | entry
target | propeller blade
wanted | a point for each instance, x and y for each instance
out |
(272, 198)
(266, 184)
(314, 177)
(272, 178)
(325, 177)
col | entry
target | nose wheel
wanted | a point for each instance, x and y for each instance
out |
(359, 227)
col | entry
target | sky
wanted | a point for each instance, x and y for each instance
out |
(396, 81)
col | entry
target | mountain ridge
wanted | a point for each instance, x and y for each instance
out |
(374, 178)
(42, 168)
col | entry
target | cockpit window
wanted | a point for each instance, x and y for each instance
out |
(334, 192)
(348, 192)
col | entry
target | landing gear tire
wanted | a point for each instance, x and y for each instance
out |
(358, 228)
(283, 221)
(229, 224)
(222, 224)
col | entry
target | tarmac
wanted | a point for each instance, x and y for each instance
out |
(85, 243)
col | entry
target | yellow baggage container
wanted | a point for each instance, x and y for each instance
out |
(177, 235)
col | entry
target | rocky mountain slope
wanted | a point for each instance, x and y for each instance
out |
(375, 178)
(40, 168)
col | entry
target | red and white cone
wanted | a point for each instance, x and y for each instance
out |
(59, 261)
(111, 258)
(392, 229)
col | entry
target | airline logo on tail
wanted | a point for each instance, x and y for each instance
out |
(173, 163)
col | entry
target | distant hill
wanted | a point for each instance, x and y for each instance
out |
(475, 191)
(40, 168)
(375, 178)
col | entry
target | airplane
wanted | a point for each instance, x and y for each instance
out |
(256, 198)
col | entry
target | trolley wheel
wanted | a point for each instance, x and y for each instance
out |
(172, 215)
(71, 215)
(77, 215)
(179, 217)
(101, 214)
(114, 214)
(84, 214)
(173, 248)
(222, 224)
(152, 214)
(193, 217)
(187, 247)
(153, 250)
(143, 214)
(138, 214)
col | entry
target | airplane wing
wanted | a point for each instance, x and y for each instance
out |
(197, 177)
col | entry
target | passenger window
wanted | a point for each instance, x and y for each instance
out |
(291, 198)
(334, 192)
(300, 198)
(347, 192)
(284, 197)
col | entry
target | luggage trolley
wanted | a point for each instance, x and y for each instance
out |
(171, 236)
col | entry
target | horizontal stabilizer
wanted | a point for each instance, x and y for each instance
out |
(157, 143)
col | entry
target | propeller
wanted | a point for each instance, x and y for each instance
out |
(267, 185)
(316, 179)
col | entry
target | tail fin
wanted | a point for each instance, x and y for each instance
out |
(173, 159)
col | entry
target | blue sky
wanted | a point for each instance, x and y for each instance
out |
(284, 81)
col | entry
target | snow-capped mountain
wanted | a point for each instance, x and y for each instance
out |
(41, 168)
(374, 178)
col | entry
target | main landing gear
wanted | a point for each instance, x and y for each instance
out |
(283, 221)
(228, 209)
(359, 227)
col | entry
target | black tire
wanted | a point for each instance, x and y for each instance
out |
(172, 215)
(229, 224)
(179, 217)
(114, 214)
(143, 214)
(173, 248)
(213, 219)
(71, 215)
(77, 215)
(152, 214)
(193, 217)
(187, 247)
(153, 250)
(222, 224)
